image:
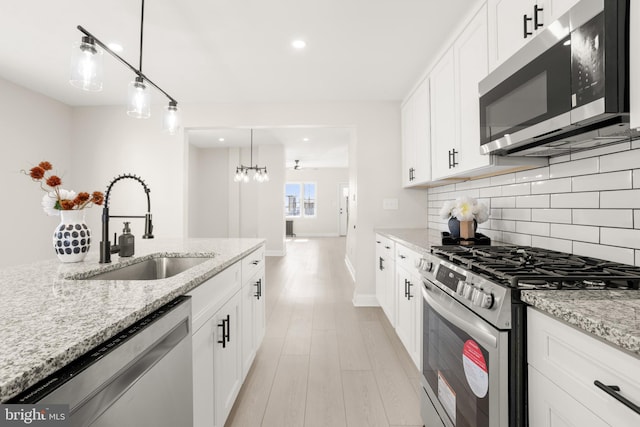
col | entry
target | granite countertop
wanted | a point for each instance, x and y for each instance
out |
(47, 319)
(612, 315)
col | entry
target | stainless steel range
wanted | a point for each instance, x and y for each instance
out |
(474, 326)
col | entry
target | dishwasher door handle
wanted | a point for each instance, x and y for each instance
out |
(99, 402)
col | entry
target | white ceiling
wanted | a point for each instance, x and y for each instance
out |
(232, 51)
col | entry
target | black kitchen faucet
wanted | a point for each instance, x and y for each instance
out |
(105, 245)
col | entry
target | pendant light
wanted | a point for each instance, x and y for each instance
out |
(86, 74)
(242, 172)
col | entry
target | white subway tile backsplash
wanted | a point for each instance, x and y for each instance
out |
(443, 189)
(620, 237)
(494, 235)
(503, 225)
(509, 178)
(516, 189)
(604, 217)
(517, 239)
(517, 214)
(553, 244)
(620, 161)
(636, 178)
(611, 253)
(492, 191)
(581, 233)
(534, 228)
(576, 200)
(573, 168)
(551, 215)
(559, 159)
(503, 202)
(532, 175)
(603, 181)
(561, 185)
(475, 183)
(601, 151)
(473, 192)
(620, 199)
(495, 213)
(637, 258)
(636, 219)
(541, 201)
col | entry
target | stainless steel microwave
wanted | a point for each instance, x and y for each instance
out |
(566, 90)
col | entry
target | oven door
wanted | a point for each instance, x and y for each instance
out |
(533, 102)
(465, 369)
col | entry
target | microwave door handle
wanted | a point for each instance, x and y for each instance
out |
(460, 317)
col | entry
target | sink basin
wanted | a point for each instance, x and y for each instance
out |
(151, 269)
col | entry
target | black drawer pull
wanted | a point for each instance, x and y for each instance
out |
(612, 390)
(526, 19)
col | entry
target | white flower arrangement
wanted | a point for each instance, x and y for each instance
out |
(465, 209)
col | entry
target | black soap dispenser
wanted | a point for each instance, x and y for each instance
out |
(126, 242)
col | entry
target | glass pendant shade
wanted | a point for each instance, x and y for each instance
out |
(139, 99)
(86, 65)
(171, 119)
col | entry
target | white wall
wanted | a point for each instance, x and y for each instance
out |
(34, 128)
(326, 221)
(587, 204)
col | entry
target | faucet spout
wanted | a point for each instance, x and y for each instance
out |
(105, 245)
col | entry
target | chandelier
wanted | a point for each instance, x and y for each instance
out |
(242, 171)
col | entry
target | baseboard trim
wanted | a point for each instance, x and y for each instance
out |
(352, 271)
(366, 300)
(314, 235)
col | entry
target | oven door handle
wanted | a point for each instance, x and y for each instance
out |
(460, 317)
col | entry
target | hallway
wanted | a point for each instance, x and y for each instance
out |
(324, 362)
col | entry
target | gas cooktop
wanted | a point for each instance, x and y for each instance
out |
(526, 267)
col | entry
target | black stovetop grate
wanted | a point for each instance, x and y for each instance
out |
(527, 267)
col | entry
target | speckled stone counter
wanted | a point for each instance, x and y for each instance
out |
(613, 316)
(47, 319)
(418, 239)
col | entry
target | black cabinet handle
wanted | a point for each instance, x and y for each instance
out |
(450, 159)
(454, 162)
(525, 19)
(223, 336)
(388, 247)
(380, 263)
(256, 262)
(536, 22)
(228, 329)
(409, 285)
(612, 390)
(402, 256)
(258, 286)
(406, 288)
(377, 241)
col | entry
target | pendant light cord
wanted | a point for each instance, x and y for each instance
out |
(141, 33)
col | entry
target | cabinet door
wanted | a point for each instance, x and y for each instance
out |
(422, 135)
(506, 28)
(227, 358)
(202, 342)
(248, 321)
(407, 141)
(408, 296)
(556, 9)
(443, 140)
(259, 311)
(471, 66)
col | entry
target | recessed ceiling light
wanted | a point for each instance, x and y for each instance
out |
(305, 139)
(221, 139)
(299, 44)
(116, 47)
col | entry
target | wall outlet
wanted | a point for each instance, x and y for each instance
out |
(390, 204)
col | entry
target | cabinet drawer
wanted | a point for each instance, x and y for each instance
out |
(207, 298)
(573, 360)
(407, 258)
(252, 263)
(385, 247)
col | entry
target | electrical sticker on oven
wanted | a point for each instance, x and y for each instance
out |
(475, 368)
(447, 397)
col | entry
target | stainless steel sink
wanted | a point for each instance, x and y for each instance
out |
(151, 269)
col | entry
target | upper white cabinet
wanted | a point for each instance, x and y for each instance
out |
(416, 138)
(634, 53)
(444, 146)
(513, 23)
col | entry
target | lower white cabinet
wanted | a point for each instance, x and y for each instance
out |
(564, 366)
(385, 277)
(253, 318)
(409, 317)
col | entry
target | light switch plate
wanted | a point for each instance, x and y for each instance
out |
(390, 204)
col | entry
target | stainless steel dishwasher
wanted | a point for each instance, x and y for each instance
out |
(140, 377)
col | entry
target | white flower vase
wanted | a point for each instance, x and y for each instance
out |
(72, 237)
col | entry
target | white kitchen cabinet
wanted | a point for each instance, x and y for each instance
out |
(385, 277)
(564, 364)
(416, 138)
(634, 56)
(444, 146)
(253, 317)
(409, 303)
(513, 23)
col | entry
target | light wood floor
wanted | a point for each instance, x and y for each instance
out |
(324, 362)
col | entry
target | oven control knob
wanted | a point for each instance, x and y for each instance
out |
(467, 292)
(460, 288)
(482, 299)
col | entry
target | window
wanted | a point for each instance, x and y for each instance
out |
(300, 199)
